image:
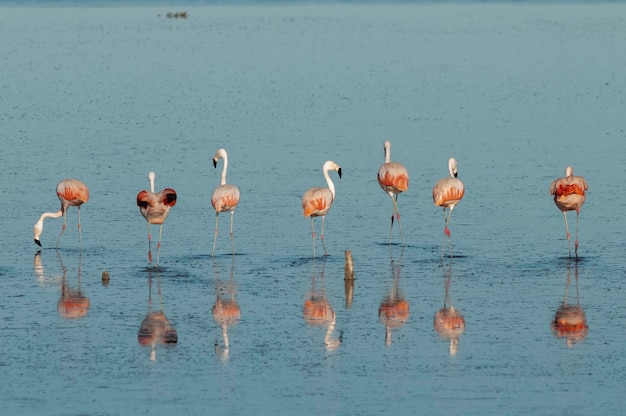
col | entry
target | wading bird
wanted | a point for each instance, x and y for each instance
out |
(447, 192)
(569, 195)
(394, 179)
(155, 207)
(71, 193)
(224, 199)
(316, 202)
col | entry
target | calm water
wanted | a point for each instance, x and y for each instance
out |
(514, 92)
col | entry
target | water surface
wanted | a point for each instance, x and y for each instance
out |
(514, 92)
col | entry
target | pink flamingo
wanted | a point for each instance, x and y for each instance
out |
(224, 199)
(155, 207)
(569, 195)
(317, 201)
(447, 192)
(394, 179)
(71, 193)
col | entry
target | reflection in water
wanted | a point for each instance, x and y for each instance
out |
(570, 321)
(317, 311)
(73, 304)
(394, 309)
(226, 311)
(156, 328)
(448, 321)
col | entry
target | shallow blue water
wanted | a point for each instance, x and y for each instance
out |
(514, 92)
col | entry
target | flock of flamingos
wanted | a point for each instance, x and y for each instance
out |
(568, 192)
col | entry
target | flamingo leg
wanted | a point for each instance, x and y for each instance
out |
(576, 242)
(217, 218)
(62, 229)
(446, 231)
(149, 245)
(80, 234)
(159, 245)
(232, 241)
(394, 200)
(313, 235)
(569, 250)
(322, 236)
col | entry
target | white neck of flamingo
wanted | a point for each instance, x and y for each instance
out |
(331, 185)
(225, 158)
(151, 179)
(387, 152)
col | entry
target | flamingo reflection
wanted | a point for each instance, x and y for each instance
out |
(155, 329)
(226, 311)
(570, 321)
(394, 308)
(318, 312)
(73, 304)
(448, 321)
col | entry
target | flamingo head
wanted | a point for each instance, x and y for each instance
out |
(37, 230)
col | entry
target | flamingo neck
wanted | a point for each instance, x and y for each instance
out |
(331, 185)
(224, 168)
(387, 152)
(57, 214)
(151, 179)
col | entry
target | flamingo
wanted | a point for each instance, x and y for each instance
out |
(569, 195)
(317, 201)
(447, 192)
(224, 199)
(155, 207)
(394, 179)
(71, 193)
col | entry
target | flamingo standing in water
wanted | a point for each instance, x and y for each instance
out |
(447, 192)
(155, 207)
(224, 199)
(569, 195)
(71, 193)
(317, 201)
(394, 179)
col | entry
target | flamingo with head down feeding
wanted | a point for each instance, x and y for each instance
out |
(71, 193)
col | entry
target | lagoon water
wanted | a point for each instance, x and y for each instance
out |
(515, 92)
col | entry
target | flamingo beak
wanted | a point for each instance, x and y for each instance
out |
(38, 242)
(339, 172)
(214, 163)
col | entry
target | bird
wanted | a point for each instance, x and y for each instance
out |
(225, 198)
(447, 192)
(316, 202)
(393, 178)
(155, 207)
(569, 195)
(71, 193)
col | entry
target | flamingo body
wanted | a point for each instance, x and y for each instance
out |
(448, 192)
(316, 202)
(71, 193)
(155, 207)
(393, 178)
(225, 198)
(569, 195)
(569, 192)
